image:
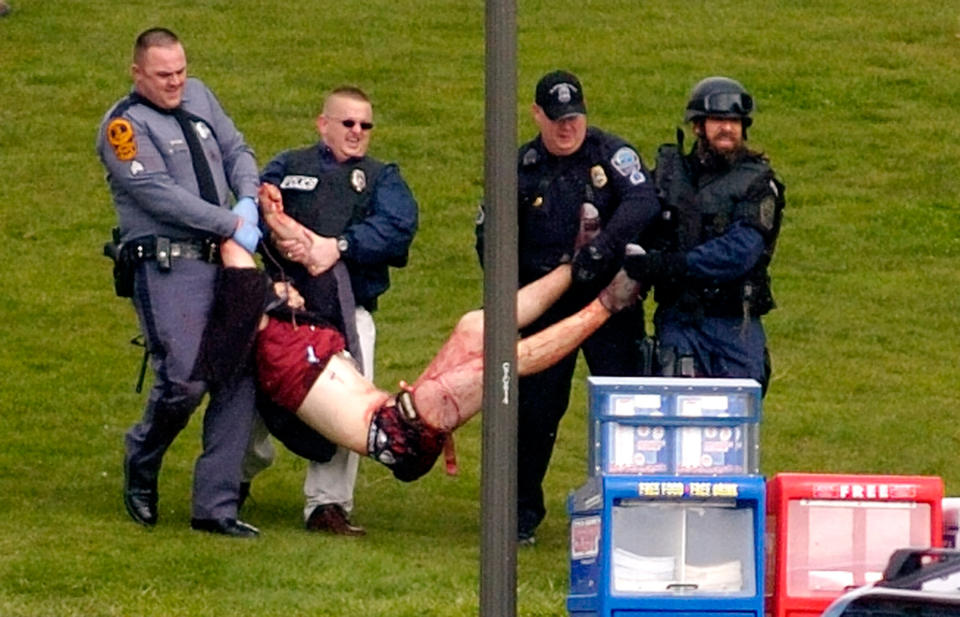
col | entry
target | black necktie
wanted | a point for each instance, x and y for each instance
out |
(208, 190)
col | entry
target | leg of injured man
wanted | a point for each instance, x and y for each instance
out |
(296, 239)
(305, 371)
(450, 390)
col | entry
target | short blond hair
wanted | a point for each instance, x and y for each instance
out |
(153, 37)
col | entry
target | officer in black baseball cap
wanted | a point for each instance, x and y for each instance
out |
(582, 195)
(559, 95)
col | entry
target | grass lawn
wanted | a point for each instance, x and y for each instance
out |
(856, 108)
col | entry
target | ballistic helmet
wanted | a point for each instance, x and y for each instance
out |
(719, 97)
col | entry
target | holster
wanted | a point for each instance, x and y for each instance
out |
(124, 265)
(672, 364)
(648, 356)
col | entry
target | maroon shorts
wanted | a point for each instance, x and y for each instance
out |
(289, 359)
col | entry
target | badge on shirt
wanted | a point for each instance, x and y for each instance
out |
(121, 138)
(358, 180)
(627, 162)
(298, 183)
(202, 129)
(598, 177)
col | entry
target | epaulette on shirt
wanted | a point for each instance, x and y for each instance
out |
(123, 105)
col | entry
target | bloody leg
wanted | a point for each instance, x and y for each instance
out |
(450, 390)
(284, 227)
(348, 409)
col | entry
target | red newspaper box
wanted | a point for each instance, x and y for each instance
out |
(827, 533)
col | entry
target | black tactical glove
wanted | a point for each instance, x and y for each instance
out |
(594, 263)
(655, 267)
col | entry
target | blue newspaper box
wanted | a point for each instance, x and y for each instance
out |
(679, 426)
(681, 546)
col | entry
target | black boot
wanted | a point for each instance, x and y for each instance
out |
(140, 494)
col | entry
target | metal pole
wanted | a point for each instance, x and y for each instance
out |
(498, 550)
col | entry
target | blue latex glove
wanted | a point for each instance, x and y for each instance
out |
(246, 207)
(248, 236)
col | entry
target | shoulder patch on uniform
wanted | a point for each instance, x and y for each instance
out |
(768, 211)
(627, 162)
(530, 156)
(299, 183)
(120, 136)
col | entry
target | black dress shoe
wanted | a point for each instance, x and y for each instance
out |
(225, 527)
(526, 537)
(331, 517)
(141, 503)
(141, 506)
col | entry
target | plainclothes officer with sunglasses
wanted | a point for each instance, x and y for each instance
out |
(367, 217)
(722, 211)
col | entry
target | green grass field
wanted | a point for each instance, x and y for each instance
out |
(856, 110)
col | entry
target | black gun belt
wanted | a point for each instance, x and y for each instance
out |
(145, 249)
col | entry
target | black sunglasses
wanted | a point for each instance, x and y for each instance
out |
(366, 126)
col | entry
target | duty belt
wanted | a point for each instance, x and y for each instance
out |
(163, 249)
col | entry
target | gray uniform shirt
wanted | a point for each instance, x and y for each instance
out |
(151, 175)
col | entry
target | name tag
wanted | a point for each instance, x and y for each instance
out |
(299, 183)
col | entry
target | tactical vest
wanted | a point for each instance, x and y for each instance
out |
(703, 209)
(327, 201)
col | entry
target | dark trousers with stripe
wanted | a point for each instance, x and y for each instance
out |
(173, 307)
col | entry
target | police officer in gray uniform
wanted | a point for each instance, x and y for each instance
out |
(173, 157)
(710, 254)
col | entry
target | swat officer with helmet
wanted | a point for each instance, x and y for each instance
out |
(582, 195)
(722, 209)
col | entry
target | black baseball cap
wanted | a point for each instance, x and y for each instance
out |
(560, 95)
